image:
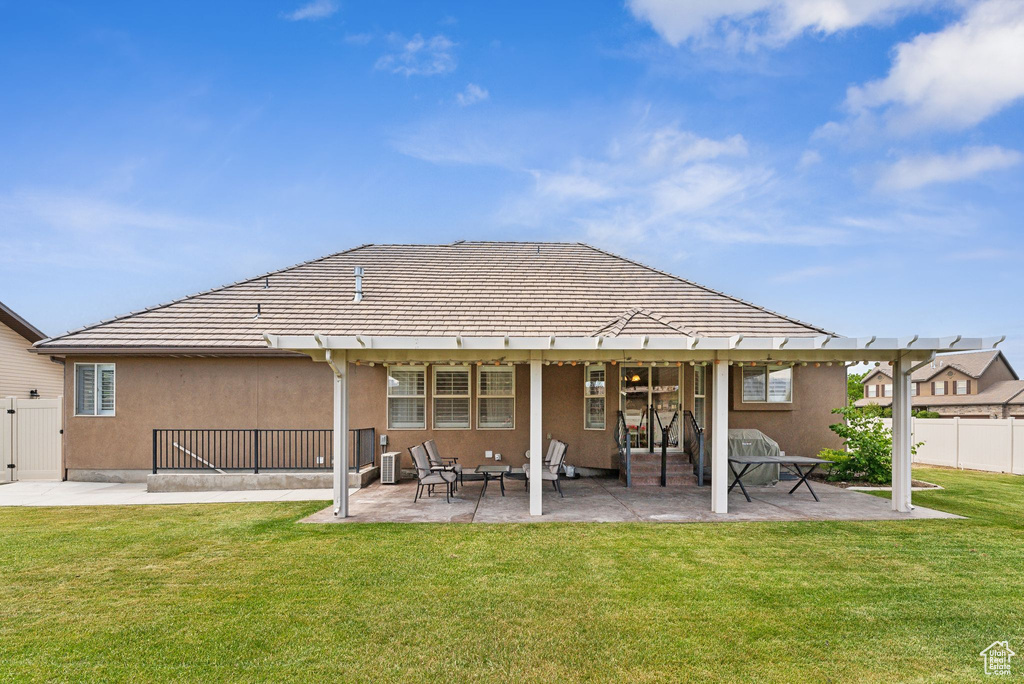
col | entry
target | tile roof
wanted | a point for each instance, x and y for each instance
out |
(971, 363)
(464, 288)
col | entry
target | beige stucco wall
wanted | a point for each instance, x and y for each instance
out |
(192, 393)
(801, 427)
(22, 371)
(156, 392)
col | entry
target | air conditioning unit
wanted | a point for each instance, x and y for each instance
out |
(389, 467)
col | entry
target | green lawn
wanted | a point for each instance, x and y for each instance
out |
(240, 592)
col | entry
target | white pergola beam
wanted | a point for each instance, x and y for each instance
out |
(901, 437)
(339, 437)
(536, 436)
(720, 438)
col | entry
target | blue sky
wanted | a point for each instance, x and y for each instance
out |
(853, 163)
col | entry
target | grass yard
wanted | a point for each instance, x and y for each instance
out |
(240, 592)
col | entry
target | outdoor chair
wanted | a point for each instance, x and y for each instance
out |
(438, 462)
(551, 468)
(427, 478)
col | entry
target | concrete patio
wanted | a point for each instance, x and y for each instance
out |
(135, 494)
(593, 499)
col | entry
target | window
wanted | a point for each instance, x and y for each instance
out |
(872, 390)
(960, 387)
(887, 389)
(700, 384)
(772, 384)
(938, 388)
(913, 389)
(407, 401)
(451, 398)
(593, 397)
(496, 397)
(94, 389)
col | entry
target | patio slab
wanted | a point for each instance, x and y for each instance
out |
(135, 494)
(591, 499)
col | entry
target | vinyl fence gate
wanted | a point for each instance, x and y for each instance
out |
(30, 439)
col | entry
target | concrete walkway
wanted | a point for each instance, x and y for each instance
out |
(134, 494)
(592, 499)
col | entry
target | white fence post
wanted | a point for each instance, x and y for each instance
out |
(956, 440)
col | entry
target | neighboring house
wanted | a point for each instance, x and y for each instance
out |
(25, 375)
(480, 346)
(978, 384)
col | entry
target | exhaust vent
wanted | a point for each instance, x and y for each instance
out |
(359, 284)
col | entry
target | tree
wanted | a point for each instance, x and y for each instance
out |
(854, 390)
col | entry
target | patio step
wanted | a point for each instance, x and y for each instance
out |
(673, 480)
(646, 470)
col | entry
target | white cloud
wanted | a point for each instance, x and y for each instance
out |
(313, 11)
(954, 78)
(419, 56)
(752, 23)
(915, 172)
(472, 94)
(658, 184)
(810, 158)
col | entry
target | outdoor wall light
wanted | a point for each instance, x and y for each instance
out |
(635, 378)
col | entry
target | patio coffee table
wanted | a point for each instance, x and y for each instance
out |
(493, 472)
(791, 463)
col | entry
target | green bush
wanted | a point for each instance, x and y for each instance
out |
(868, 442)
(916, 413)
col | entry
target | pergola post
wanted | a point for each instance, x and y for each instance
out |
(338, 361)
(901, 437)
(720, 436)
(536, 437)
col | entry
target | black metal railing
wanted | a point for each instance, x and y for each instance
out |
(249, 450)
(693, 439)
(666, 430)
(624, 442)
(364, 448)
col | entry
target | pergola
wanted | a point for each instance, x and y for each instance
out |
(905, 354)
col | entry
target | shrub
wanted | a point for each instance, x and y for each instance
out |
(868, 442)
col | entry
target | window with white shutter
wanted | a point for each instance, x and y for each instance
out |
(496, 398)
(94, 389)
(593, 397)
(407, 399)
(451, 398)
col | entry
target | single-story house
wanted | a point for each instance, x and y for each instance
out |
(481, 346)
(24, 375)
(977, 384)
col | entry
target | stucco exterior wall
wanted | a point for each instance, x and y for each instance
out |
(21, 371)
(800, 427)
(163, 392)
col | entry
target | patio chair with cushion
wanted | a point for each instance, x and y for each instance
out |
(428, 478)
(438, 462)
(551, 468)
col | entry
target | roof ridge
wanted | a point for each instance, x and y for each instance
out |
(708, 289)
(197, 294)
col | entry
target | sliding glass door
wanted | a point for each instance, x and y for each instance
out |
(644, 388)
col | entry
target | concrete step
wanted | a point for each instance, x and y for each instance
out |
(655, 480)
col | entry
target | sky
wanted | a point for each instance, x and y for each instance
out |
(857, 164)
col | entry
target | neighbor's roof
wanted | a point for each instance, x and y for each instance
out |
(973, 363)
(1007, 391)
(19, 324)
(464, 288)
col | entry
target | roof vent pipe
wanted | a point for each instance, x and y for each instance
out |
(359, 284)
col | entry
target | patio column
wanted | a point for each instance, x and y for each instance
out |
(901, 437)
(720, 436)
(536, 437)
(339, 439)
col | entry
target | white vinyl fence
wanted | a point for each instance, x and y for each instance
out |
(996, 445)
